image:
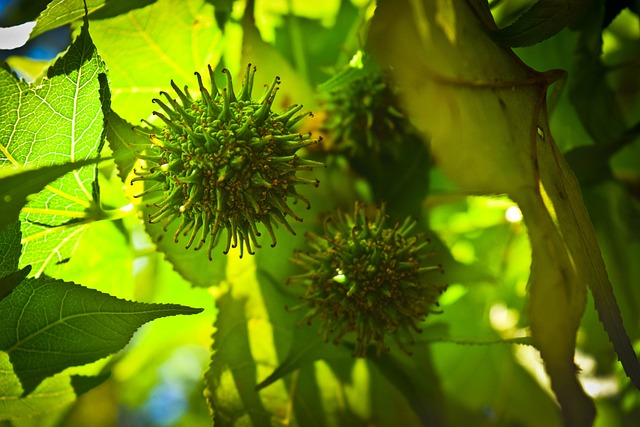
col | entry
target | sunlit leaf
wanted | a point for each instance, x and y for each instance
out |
(232, 377)
(51, 394)
(61, 12)
(58, 121)
(29, 68)
(141, 367)
(121, 137)
(307, 347)
(193, 265)
(243, 344)
(490, 374)
(110, 269)
(253, 332)
(506, 147)
(164, 41)
(16, 185)
(50, 325)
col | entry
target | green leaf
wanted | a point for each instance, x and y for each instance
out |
(306, 349)
(62, 12)
(590, 91)
(244, 347)
(17, 184)
(30, 69)
(309, 44)
(231, 378)
(423, 393)
(58, 121)
(50, 325)
(193, 265)
(9, 247)
(580, 241)
(223, 10)
(485, 379)
(164, 41)
(52, 394)
(9, 282)
(543, 20)
(121, 137)
(253, 333)
(82, 383)
(505, 146)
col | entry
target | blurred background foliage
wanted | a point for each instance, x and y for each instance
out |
(464, 368)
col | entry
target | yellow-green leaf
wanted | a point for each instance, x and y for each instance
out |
(484, 112)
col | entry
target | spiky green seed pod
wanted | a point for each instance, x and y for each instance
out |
(363, 117)
(224, 161)
(367, 278)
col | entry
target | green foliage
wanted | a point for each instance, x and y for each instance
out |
(59, 120)
(524, 181)
(52, 325)
(163, 43)
(16, 185)
(511, 96)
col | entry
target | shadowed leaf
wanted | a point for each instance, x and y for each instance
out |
(50, 325)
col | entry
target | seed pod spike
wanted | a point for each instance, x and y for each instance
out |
(265, 103)
(170, 123)
(184, 96)
(214, 87)
(247, 84)
(230, 91)
(172, 114)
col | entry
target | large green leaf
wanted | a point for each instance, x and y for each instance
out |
(148, 47)
(17, 184)
(489, 132)
(50, 325)
(243, 345)
(193, 265)
(58, 121)
(52, 394)
(495, 384)
(62, 12)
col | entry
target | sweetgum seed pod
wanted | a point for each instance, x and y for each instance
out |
(367, 278)
(224, 161)
(364, 119)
